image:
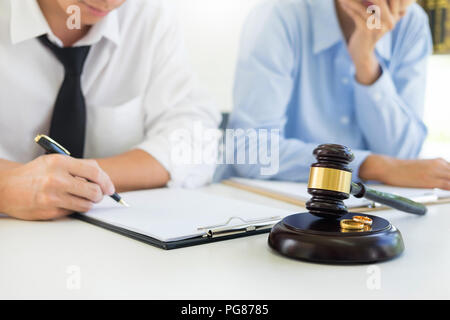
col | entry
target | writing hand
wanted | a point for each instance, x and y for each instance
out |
(52, 186)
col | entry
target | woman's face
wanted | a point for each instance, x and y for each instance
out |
(92, 11)
(402, 5)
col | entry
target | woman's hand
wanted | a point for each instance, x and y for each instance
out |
(368, 31)
(434, 173)
(52, 186)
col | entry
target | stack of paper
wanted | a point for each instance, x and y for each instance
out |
(298, 193)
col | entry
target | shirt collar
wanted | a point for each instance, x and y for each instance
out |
(28, 22)
(325, 25)
(108, 27)
(327, 31)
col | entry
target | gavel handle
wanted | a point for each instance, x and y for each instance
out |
(359, 190)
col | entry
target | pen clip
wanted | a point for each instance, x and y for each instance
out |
(43, 136)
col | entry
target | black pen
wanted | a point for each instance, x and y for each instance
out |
(51, 146)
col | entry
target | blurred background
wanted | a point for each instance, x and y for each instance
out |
(212, 31)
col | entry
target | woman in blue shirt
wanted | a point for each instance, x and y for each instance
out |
(329, 71)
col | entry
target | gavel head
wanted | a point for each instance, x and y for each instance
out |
(330, 181)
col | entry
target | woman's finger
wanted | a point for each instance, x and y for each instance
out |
(444, 185)
(356, 11)
(387, 19)
(443, 168)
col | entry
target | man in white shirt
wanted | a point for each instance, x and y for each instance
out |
(136, 91)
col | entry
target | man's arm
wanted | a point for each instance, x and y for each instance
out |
(135, 170)
(52, 186)
(177, 114)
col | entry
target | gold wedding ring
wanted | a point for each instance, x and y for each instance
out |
(349, 224)
(363, 219)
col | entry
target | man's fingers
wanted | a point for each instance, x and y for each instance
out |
(75, 204)
(84, 189)
(48, 214)
(91, 171)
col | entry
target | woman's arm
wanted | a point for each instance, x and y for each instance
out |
(389, 90)
(429, 173)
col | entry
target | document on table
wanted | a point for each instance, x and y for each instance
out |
(177, 214)
(298, 192)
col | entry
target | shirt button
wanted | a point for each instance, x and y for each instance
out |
(377, 97)
(345, 80)
(345, 120)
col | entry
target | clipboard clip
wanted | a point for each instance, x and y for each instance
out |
(224, 229)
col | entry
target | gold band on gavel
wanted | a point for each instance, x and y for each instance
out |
(330, 179)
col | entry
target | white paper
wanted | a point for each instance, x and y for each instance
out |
(294, 190)
(299, 191)
(413, 193)
(176, 214)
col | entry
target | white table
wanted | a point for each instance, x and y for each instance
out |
(36, 259)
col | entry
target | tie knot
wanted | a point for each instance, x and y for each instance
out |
(72, 58)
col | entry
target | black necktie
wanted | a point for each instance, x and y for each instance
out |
(68, 125)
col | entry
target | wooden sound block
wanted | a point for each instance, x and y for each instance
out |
(307, 237)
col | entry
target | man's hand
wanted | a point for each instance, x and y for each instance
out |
(8, 165)
(362, 42)
(433, 173)
(52, 186)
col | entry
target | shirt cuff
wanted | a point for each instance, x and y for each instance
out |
(181, 175)
(360, 157)
(384, 88)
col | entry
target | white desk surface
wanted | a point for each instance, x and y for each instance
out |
(35, 257)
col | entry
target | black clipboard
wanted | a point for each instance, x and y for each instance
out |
(172, 244)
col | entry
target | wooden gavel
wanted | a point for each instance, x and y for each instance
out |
(330, 183)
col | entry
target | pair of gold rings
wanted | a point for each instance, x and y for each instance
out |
(357, 223)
